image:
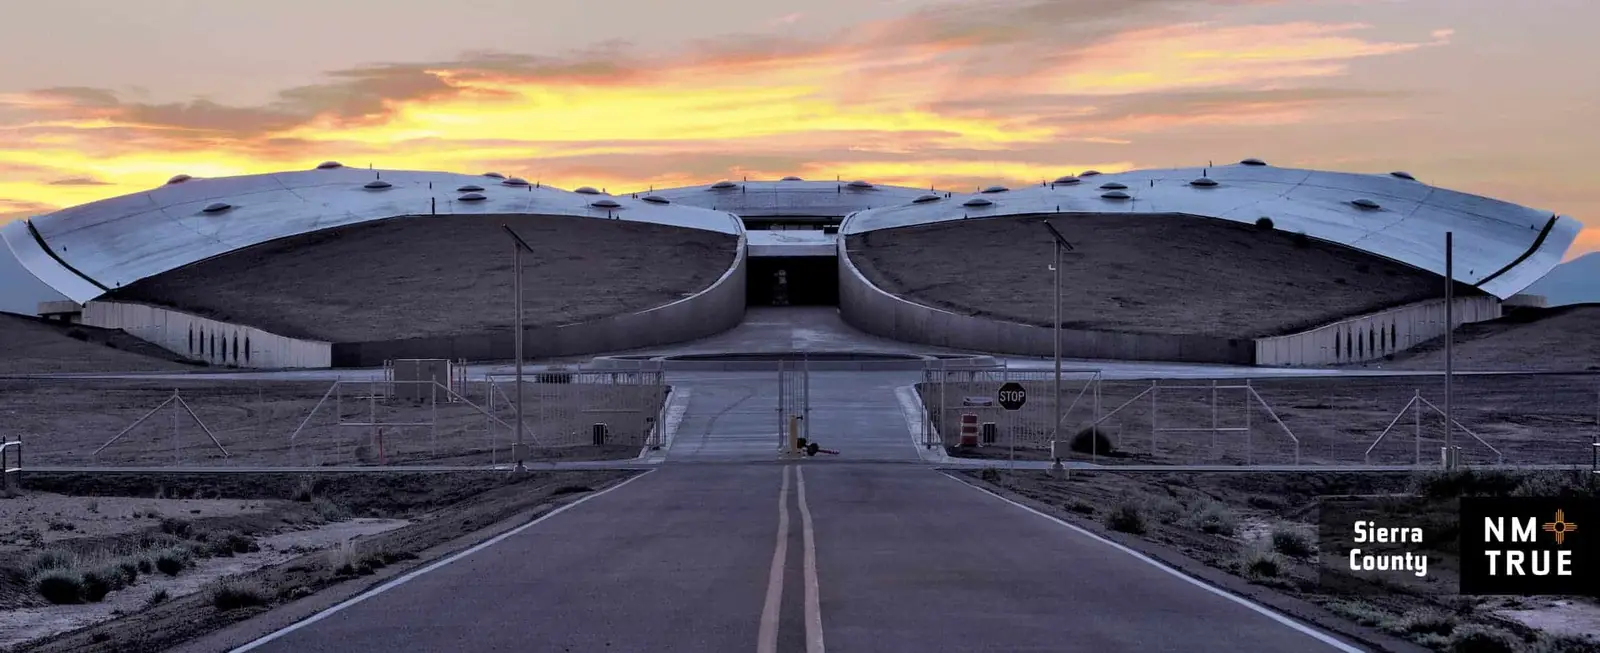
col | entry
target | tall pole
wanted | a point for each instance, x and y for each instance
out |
(516, 265)
(1449, 354)
(1055, 398)
(519, 452)
(1055, 395)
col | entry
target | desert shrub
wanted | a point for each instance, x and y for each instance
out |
(160, 596)
(1552, 643)
(130, 570)
(1126, 518)
(1450, 484)
(1360, 612)
(60, 586)
(1580, 483)
(234, 594)
(571, 489)
(172, 560)
(1080, 506)
(1291, 540)
(62, 525)
(97, 583)
(1477, 638)
(240, 543)
(1213, 518)
(1301, 240)
(989, 475)
(1264, 223)
(1092, 440)
(1427, 621)
(1165, 509)
(1261, 564)
(177, 527)
(51, 559)
(158, 541)
(328, 510)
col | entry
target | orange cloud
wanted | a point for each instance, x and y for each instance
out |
(957, 95)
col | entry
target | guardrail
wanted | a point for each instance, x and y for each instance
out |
(9, 469)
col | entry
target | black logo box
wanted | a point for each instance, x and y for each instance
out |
(1439, 522)
(1581, 547)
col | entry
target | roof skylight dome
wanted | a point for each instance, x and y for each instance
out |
(1252, 162)
(1365, 204)
(724, 185)
(996, 189)
(586, 190)
(605, 204)
(217, 207)
(178, 179)
(859, 184)
(329, 165)
(1112, 185)
(472, 197)
(1115, 195)
(976, 202)
(377, 184)
(924, 199)
(515, 181)
(1204, 182)
(1066, 180)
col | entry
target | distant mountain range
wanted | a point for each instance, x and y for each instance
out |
(1575, 282)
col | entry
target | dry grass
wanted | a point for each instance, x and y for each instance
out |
(1147, 274)
(435, 276)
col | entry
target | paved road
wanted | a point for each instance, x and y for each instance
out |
(871, 558)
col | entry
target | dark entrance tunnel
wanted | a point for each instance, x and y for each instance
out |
(806, 281)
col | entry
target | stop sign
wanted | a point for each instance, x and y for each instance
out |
(1012, 395)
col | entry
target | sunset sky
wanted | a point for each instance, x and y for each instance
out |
(105, 98)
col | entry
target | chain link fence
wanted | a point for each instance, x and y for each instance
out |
(256, 423)
(1532, 419)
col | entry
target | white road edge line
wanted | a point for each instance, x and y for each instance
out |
(913, 412)
(409, 576)
(1256, 607)
(813, 588)
(767, 635)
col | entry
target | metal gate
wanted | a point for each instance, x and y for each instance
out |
(794, 404)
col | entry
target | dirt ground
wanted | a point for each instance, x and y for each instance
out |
(1156, 274)
(1206, 523)
(1549, 419)
(306, 533)
(435, 276)
(1565, 338)
(268, 423)
(30, 345)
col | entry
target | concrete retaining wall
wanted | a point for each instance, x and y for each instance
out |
(198, 338)
(1374, 336)
(871, 309)
(716, 309)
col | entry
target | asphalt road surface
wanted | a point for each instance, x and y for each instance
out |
(807, 557)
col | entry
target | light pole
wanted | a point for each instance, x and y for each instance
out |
(519, 451)
(1055, 394)
(1449, 354)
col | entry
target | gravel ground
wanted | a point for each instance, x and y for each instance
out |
(63, 421)
(1564, 338)
(434, 276)
(31, 345)
(1532, 418)
(1160, 274)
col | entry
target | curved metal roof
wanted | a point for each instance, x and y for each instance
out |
(1500, 247)
(114, 242)
(789, 198)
